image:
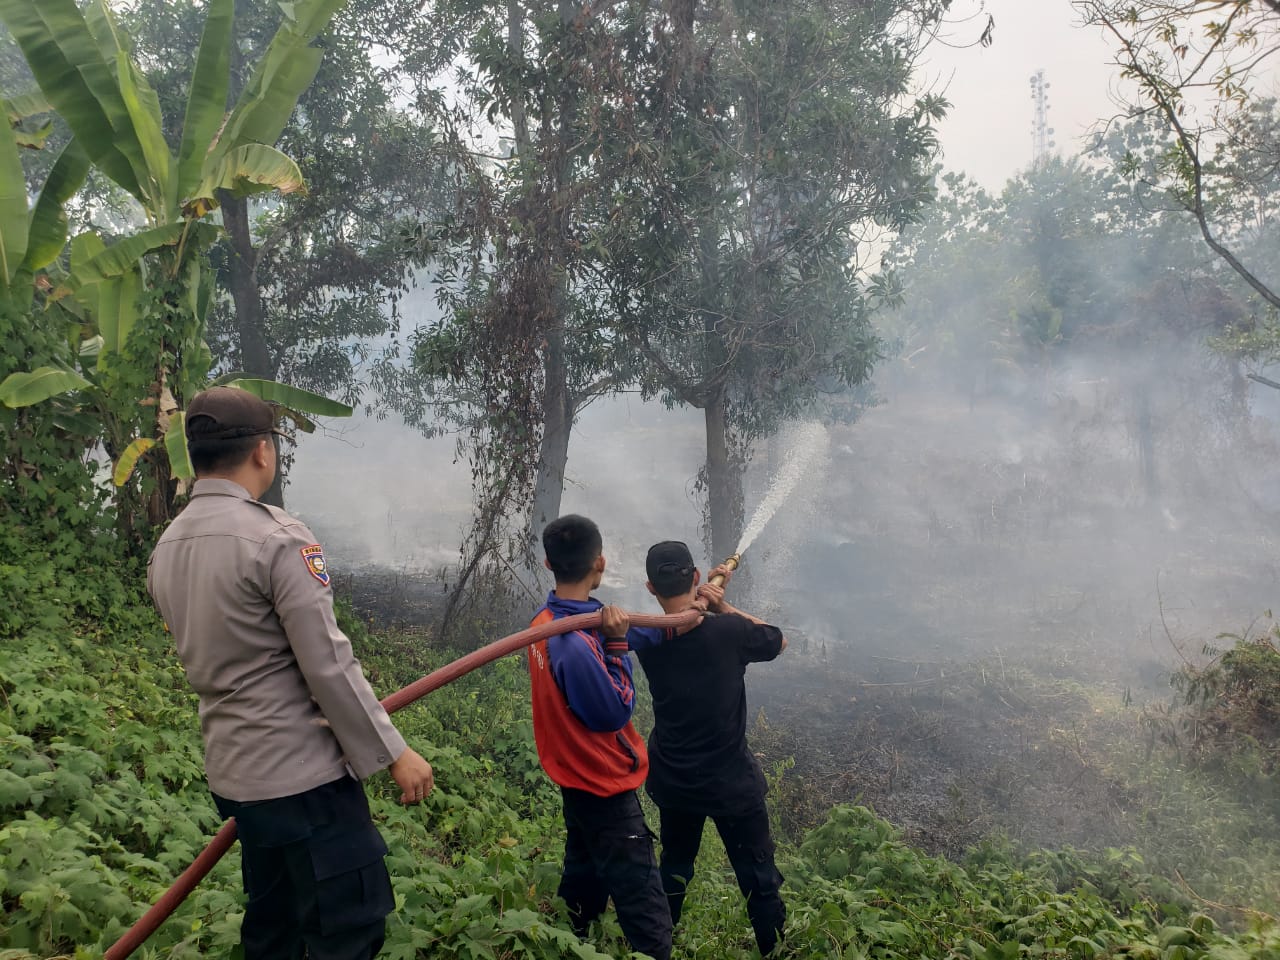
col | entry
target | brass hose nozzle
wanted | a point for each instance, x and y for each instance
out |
(732, 564)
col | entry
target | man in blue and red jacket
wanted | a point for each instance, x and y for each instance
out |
(583, 699)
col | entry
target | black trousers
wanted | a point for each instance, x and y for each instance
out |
(313, 873)
(750, 848)
(608, 852)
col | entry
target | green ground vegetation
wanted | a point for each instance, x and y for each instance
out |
(102, 803)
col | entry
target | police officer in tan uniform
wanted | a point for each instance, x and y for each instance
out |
(290, 724)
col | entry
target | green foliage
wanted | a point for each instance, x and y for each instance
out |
(998, 288)
(101, 781)
(1198, 70)
(102, 803)
(136, 308)
(315, 277)
(26, 389)
(1227, 713)
(1204, 831)
(682, 207)
(46, 485)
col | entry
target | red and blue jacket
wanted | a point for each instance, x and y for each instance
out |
(583, 699)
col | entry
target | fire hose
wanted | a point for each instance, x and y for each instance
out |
(163, 908)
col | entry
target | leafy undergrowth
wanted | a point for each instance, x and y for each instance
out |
(1226, 714)
(102, 803)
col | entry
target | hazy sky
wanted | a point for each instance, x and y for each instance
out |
(988, 134)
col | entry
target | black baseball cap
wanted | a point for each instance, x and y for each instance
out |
(228, 413)
(669, 567)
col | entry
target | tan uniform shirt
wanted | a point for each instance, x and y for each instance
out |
(284, 706)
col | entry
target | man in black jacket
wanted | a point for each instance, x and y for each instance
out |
(699, 763)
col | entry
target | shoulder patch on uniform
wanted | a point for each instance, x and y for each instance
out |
(313, 556)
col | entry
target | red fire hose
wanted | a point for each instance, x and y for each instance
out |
(226, 836)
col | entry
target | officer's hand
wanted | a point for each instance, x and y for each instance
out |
(413, 776)
(615, 622)
(713, 595)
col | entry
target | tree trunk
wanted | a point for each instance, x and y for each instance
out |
(558, 412)
(724, 481)
(1146, 445)
(558, 407)
(255, 355)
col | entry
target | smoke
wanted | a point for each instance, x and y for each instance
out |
(380, 495)
(972, 560)
(1077, 520)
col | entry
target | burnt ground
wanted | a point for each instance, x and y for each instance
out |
(982, 603)
(393, 598)
(949, 753)
(1037, 747)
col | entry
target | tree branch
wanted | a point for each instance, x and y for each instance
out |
(1265, 381)
(1155, 87)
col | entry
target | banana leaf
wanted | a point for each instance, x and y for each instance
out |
(129, 460)
(23, 107)
(300, 421)
(198, 285)
(226, 379)
(309, 18)
(26, 389)
(90, 347)
(33, 139)
(251, 168)
(284, 72)
(77, 423)
(48, 232)
(84, 247)
(207, 102)
(29, 104)
(175, 444)
(13, 208)
(117, 311)
(293, 398)
(79, 83)
(102, 28)
(124, 254)
(144, 110)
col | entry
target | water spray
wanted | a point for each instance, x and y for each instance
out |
(806, 452)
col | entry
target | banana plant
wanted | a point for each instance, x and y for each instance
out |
(31, 237)
(293, 404)
(81, 62)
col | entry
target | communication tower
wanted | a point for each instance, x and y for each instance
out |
(1041, 132)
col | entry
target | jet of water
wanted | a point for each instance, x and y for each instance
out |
(808, 444)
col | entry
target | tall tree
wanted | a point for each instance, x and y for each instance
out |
(527, 340)
(1196, 66)
(681, 209)
(782, 138)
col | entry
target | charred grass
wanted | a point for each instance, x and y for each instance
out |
(959, 754)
